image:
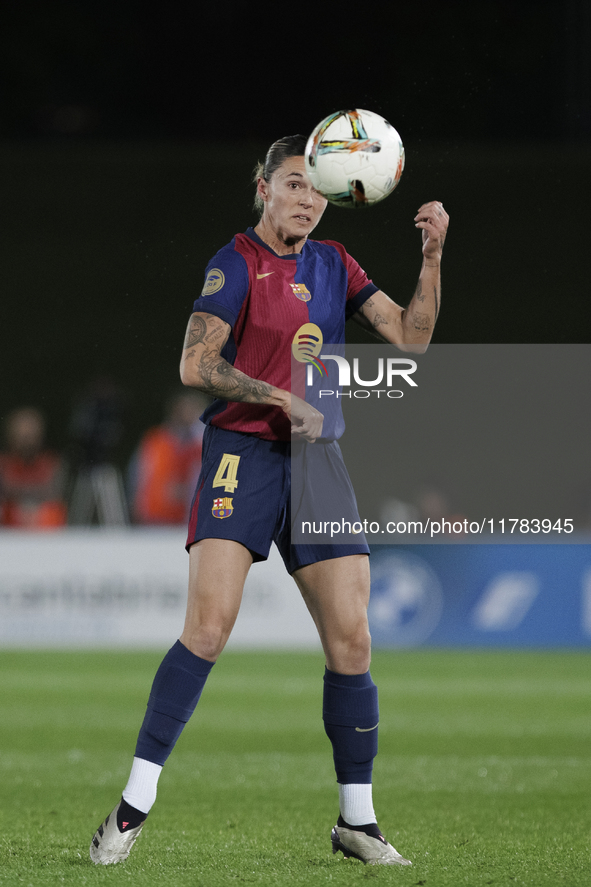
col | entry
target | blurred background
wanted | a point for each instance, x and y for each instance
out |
(128, 139)
(127, 143)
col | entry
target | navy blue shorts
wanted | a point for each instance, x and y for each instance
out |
(244, 493)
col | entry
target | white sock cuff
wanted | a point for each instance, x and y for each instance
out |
(356, 804)
(141, 787)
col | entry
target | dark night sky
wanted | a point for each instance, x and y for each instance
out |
(496, 69)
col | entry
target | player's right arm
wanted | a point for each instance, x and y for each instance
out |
(204, 368)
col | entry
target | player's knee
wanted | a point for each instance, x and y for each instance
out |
(207, 641)
(353, 652)
(361, 643)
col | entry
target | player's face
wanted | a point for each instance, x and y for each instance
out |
(293, 207)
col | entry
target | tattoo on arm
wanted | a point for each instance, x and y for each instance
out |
(221, 379)
(205, 328)
(215, 334)
(361, 313)
(369, 322)
(421, 322)
(196, 332)
(206, 336)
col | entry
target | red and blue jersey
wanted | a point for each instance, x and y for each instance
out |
(272, 302)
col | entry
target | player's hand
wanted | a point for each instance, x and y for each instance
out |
(306, 421)
(433, 220)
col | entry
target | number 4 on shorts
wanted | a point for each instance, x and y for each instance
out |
(226, 474)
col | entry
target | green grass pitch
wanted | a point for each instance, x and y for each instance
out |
(483, 775)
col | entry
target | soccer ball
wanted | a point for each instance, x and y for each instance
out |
(354, 158)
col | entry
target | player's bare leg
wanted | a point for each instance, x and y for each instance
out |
(336, 593)
(217, 572)
(218, 569)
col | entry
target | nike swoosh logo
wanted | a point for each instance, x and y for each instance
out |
(268, 274)
(366, 729)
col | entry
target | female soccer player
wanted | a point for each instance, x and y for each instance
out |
(260, 291)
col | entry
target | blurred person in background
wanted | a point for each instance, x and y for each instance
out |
(164, 470)
(96, 430)
(435, 504)
(96, 426)
(31, 478)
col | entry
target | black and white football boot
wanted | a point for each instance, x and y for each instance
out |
(112, 844)
(366, 843)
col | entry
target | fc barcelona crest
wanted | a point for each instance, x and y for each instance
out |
(222, 507)
(301, 291)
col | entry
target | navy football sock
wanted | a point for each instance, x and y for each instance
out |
(175, 692)
(351, 716)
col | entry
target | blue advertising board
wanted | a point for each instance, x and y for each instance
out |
(481, 596)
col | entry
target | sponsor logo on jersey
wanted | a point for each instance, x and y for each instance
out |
(268, 274)
(301, 291)
(222, 507)
(307, 345)
(213, 282)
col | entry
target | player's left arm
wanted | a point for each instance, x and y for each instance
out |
(411, 328)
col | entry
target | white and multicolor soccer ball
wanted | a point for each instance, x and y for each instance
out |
(354, 158)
